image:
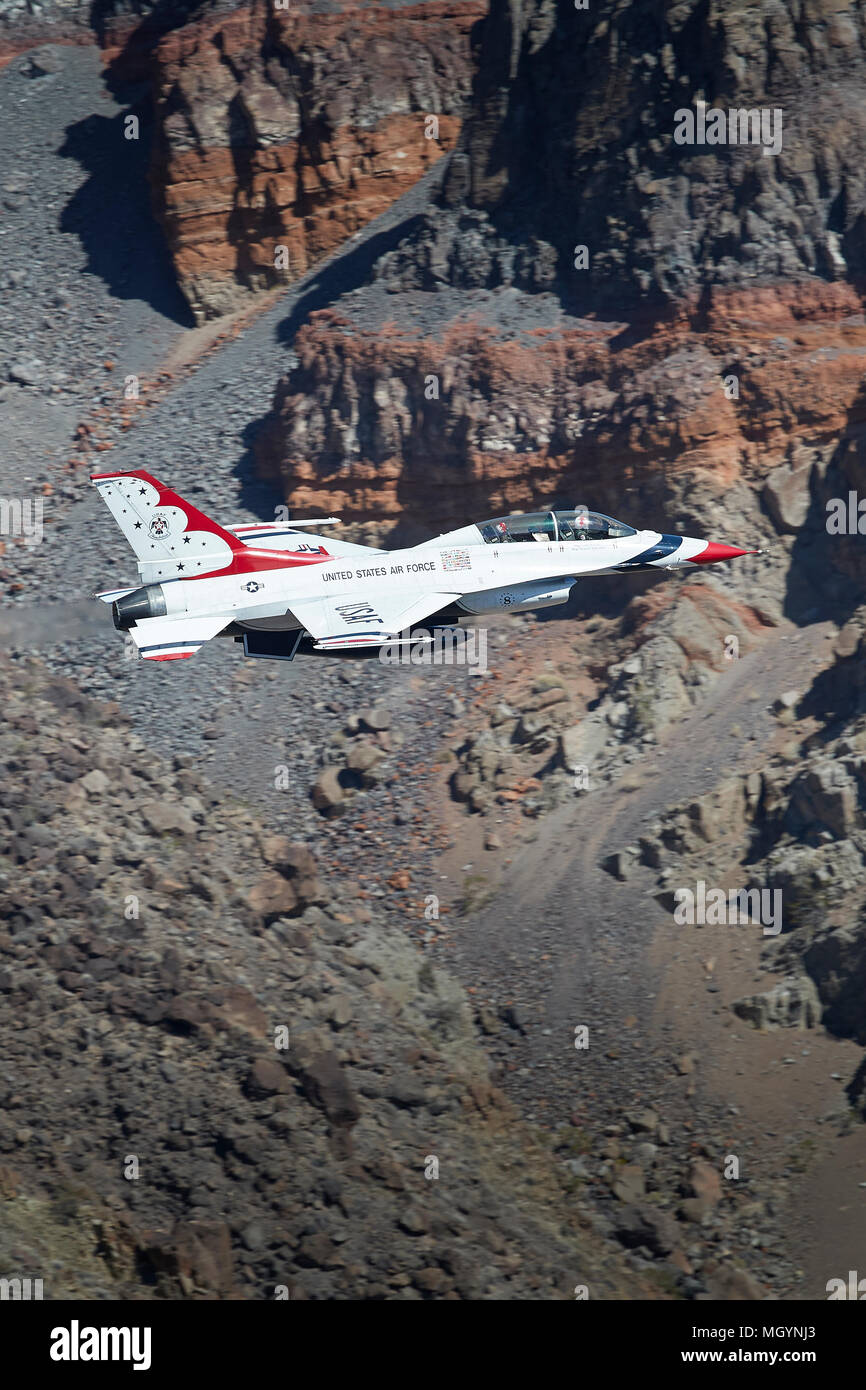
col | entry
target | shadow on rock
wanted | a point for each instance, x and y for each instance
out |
(112, 217)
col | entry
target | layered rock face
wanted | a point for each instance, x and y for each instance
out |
(291, 129)
(708, 355)
(431, 430)
(116, 24)
(571, 141)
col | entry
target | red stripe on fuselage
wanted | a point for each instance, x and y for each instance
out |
(251, 561)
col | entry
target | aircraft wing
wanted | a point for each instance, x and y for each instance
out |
(172, 639)
(340, 621)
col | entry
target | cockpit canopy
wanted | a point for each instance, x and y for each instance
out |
(572, 524)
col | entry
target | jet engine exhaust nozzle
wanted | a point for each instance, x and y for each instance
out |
(148, 602)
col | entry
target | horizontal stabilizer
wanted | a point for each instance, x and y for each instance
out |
(173, 639)
(112, 595)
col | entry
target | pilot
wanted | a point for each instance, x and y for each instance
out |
(581, 525)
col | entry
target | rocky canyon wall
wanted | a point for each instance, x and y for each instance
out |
(294, 128)
(706, 356)
(743, 418)
(571, 141)
(130, 27)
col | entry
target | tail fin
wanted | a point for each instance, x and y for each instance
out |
(171, 537)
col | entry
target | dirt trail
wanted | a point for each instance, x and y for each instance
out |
(652, 991)
(559, 871)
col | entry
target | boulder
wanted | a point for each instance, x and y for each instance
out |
(267, 1077)
(165, 818)
(581, 744)
(363, 757)
(787, 495)
(644, 1226)
(629, 1183)
(792, 1004)
(95, 782)
(327, 793)
(325, 1085)
(619, 864)
(836, 962)
(197, 1254)
(376, 719)
(273, 896)
(828, 794)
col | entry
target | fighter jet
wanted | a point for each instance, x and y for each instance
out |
(278, 589)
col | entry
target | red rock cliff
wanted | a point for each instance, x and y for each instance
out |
(610, 379)
(284, 128)
(435, 430)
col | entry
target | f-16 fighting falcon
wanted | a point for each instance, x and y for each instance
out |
(279, 589)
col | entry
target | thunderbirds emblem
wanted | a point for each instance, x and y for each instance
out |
(159, 525)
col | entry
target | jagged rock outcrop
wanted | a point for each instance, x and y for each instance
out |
(571, 141)
(795, 825)
(131, 27)
(794, 1003)
(836, 961)
(292, 128)
(484, 419)
(726, 342)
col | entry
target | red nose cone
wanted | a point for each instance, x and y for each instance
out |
(714, 552)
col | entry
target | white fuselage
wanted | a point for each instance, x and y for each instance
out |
(458, 562)
(200, 580)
